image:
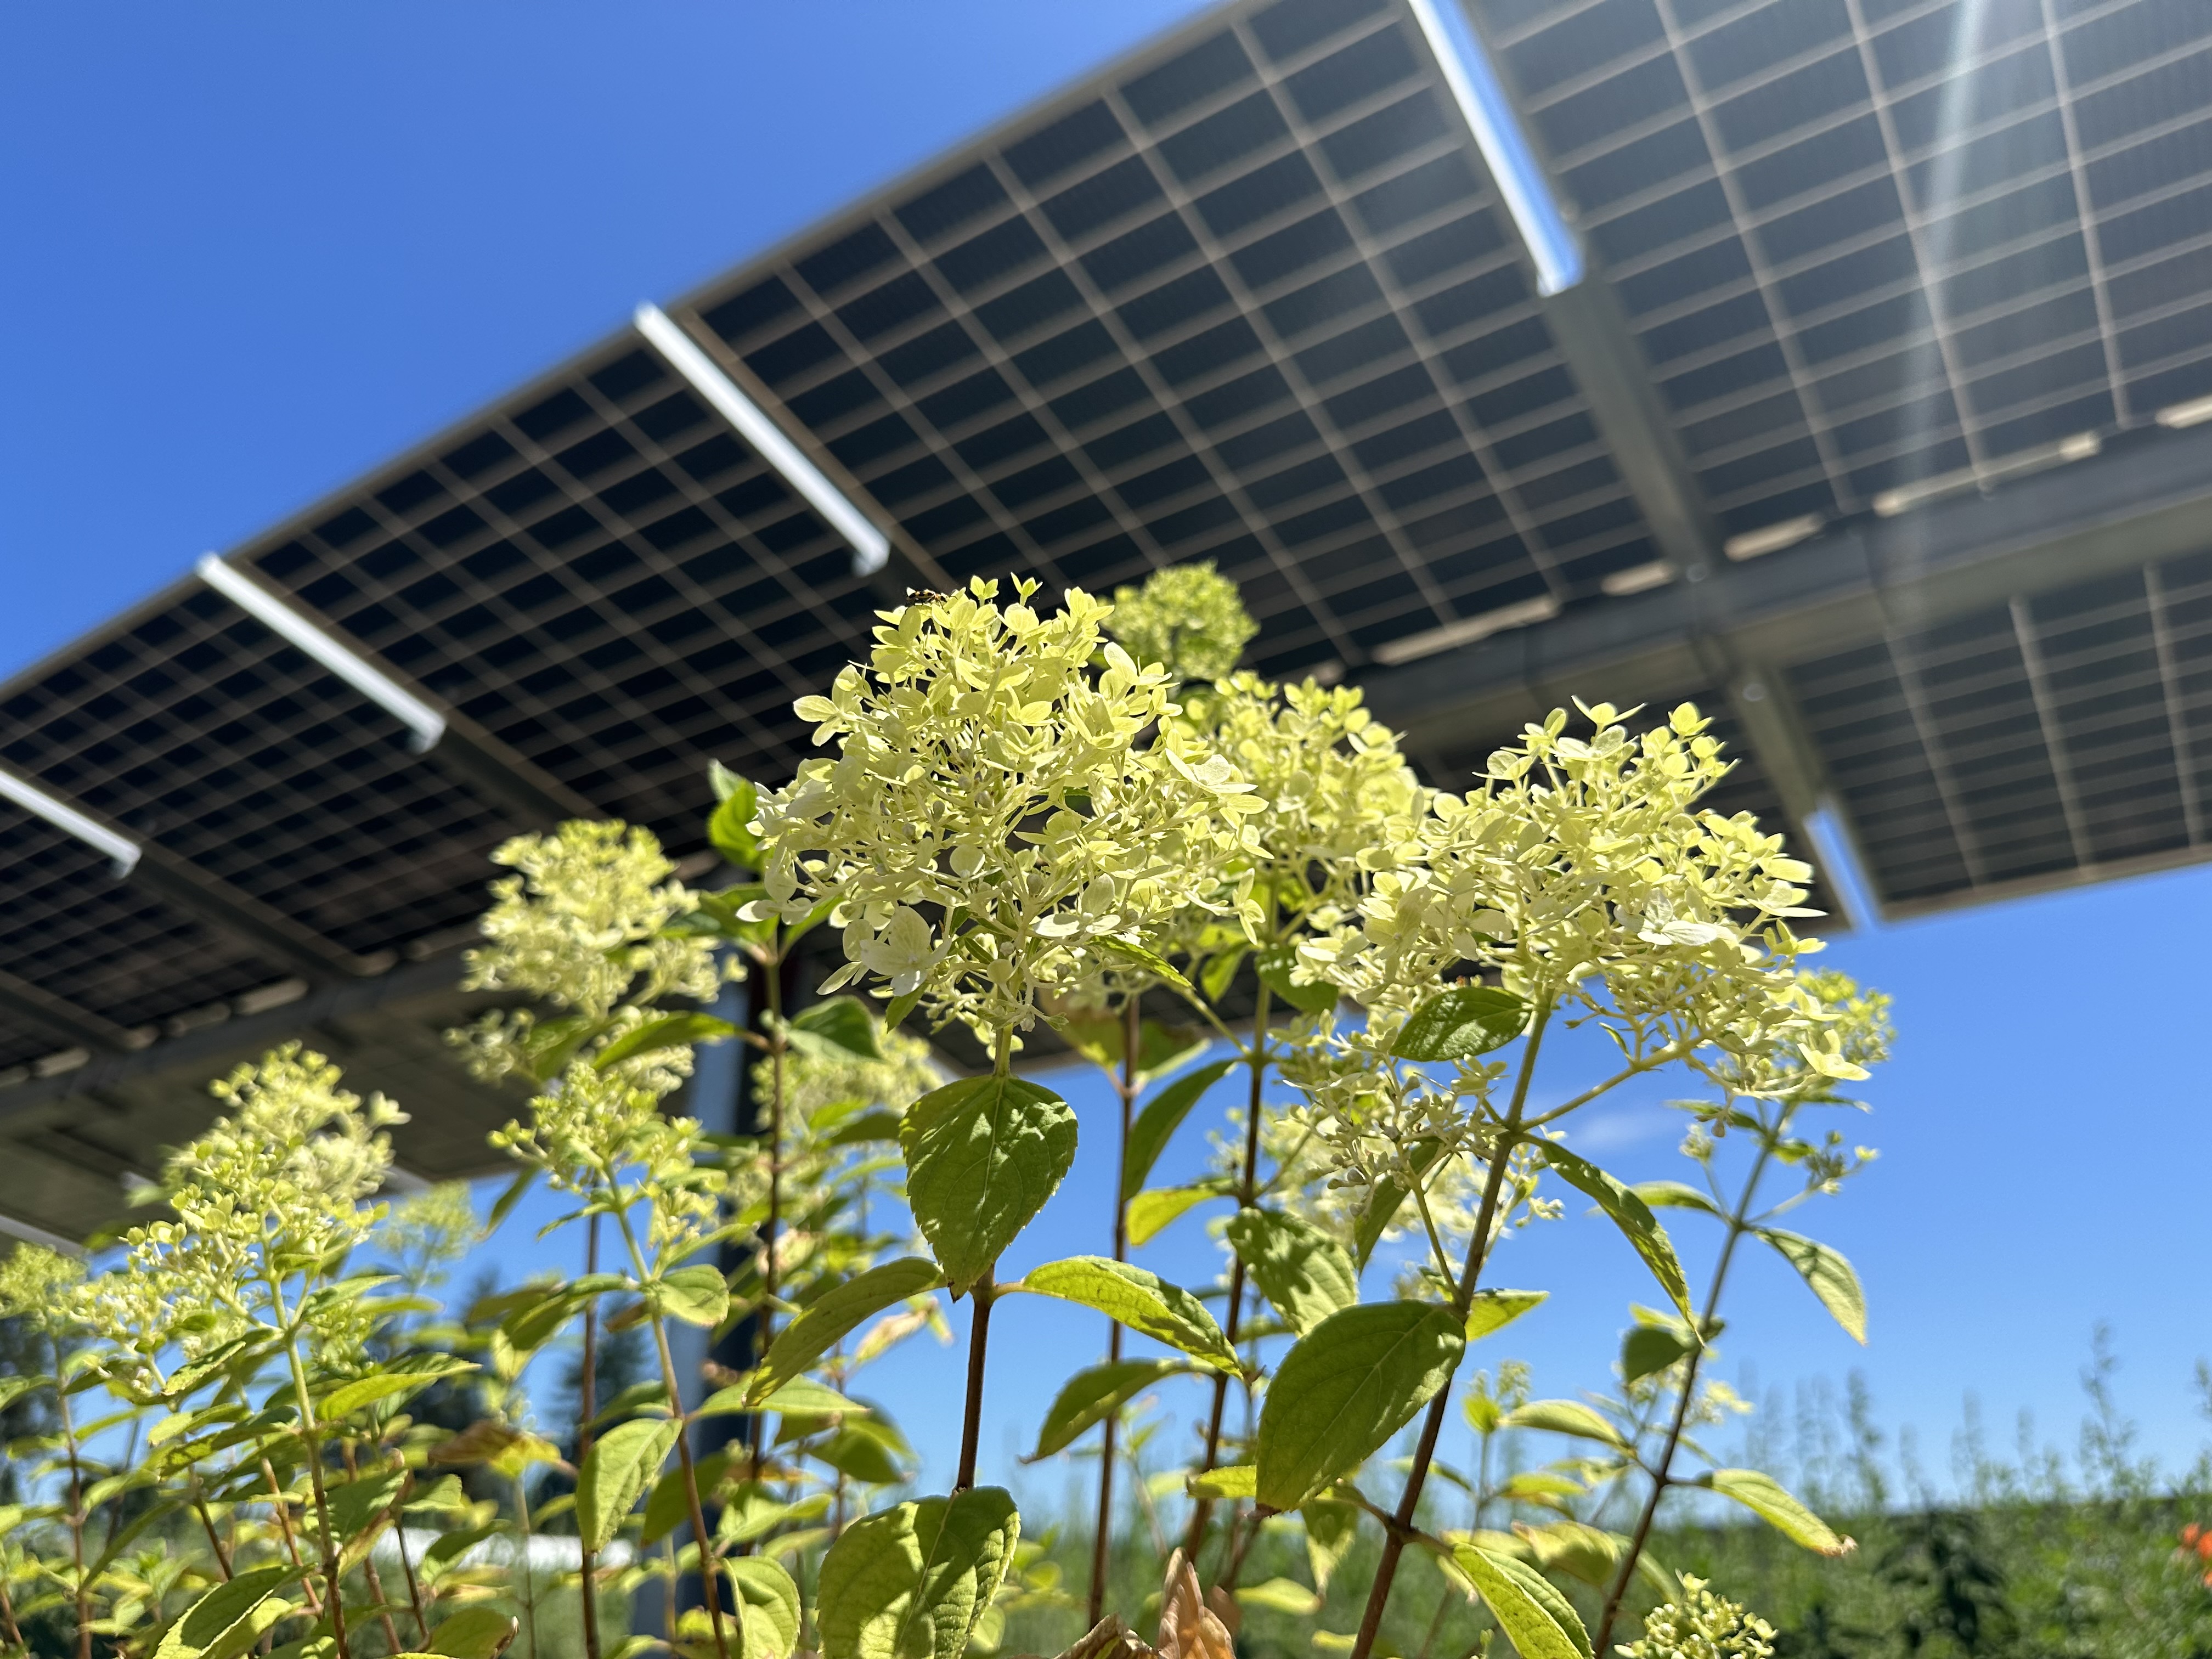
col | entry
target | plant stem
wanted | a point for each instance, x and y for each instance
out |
(306, 1399)
(1131, 1035)
(709, 1571)
(207, 1520)
(1248, 1193)
(523, 1564)
(7, 1610)
(586, 1409)
(283, 1507)
(368, 1572)
(1738, 1225)
(406, 1566)
(76, 1517)
(1478, 1247)
(979, 1337)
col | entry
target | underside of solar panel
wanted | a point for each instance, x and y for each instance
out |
(1872, 425)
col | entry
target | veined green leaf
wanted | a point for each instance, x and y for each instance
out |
(838, 1028)
(865, 1457)
(1647, 1350)
(1493, 1311)
(1304, 1273)
(838, 1311)
(1767, 1499)
(621, 1464)
(805, 1397)
(1631, 1214)
(982, 1156)
(1149, 960)
(1828, 1274)
(766, 1602)
(909, 1581)
(1162, 1116)
(1346, 1388)
(1087, 1398)
(669, 1031)
(1569, 1416)
(1236, 1481)
(1279, 1595)
(729, 829)
(1331, 1525)
(668, 1506)
(1220, 968)
(1272, 965)
(404, 1376)
(1152, 1212)
(1540, 1622)
(230, 1618)
(1460, 1022)
(697, 1295)
(477, 1632)
(1142, 1301)
(1676, 1195)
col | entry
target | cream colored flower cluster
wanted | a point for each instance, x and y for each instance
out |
(1190, 619)
(583, 924)
(1699, 1625)
(991, 833)
(265, 1201)
(1579, 874)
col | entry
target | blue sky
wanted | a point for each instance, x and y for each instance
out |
(255, 249)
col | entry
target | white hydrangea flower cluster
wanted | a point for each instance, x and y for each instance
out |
(1189, 618)
(990, 834)
(584, 926)
(279, 1189)
(1579, 874)
(1699, 1625)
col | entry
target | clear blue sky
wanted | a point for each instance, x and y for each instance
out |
(253, 249)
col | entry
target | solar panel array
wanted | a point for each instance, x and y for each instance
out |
(1249, 296)
(1867, 242)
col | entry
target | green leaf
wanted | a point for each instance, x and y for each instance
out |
(982, 1156)
(1828, 1274)
(911, 1582)
(1631, 1214)
(1346, 1388)
(509, 1200)
(1220, 968)
(838, 1311)
(1149, 960)
(1236, 1480)
(668, 1506)
(1331, 1526)
(1648, 1350)
(1142, 1301)
(805, 1397)
(621, 1464)
(405, 1377)
(1151, 1211)
(1089, 1397)
(358, 1505)
(477, 1632)
(837, 1030)
(1676, 1195)
(697, 1295)
(1493, 1311)
(1568, 1417)
(1304, 1273)
(669, 1031)
(728, 829)
(1273, 966)
(1540, 1622)
(861, 1456)
(1462, 1022)
(1162, 1116)
(1279, 1595)
(766, 1602)
(1766, 1497)
(1386, 1198)
(230, 1618)
(899, 1007)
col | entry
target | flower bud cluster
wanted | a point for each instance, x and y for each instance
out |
(991, 833)
(1699, 1625)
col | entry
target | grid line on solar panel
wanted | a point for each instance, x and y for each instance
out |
(1571, 491)
(606, 528)
(2102, 368)
(104, 945)
(2056, 733)
(201, 729)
